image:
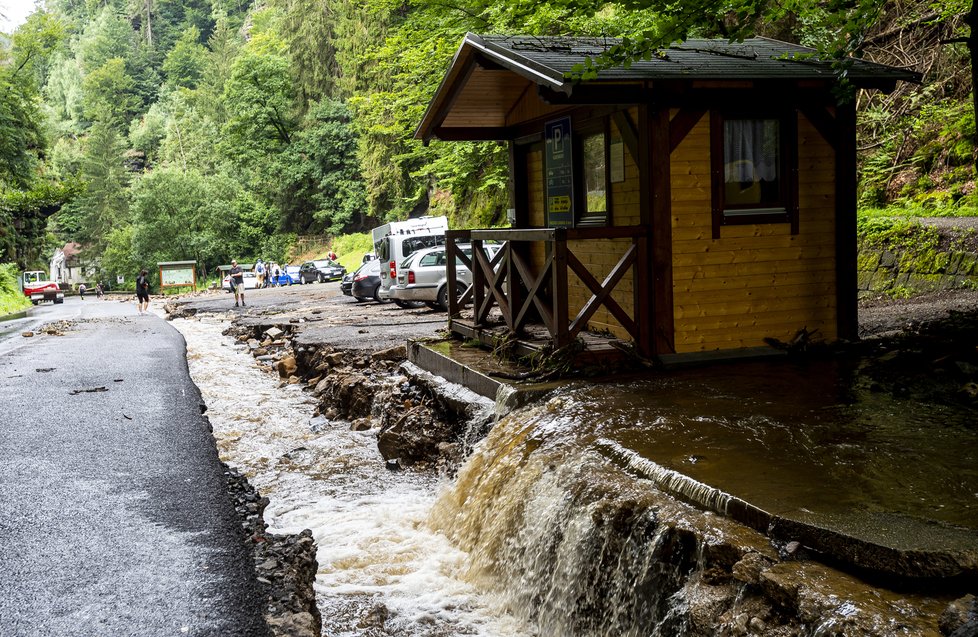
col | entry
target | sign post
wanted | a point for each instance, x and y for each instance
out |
(178, 274)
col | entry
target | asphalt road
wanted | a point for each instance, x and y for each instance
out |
(114, 518)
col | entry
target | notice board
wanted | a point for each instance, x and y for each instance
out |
(559, 169)
(174, 274)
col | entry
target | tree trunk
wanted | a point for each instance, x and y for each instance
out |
(972, 21)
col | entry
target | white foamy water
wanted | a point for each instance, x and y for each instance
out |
(375, 548)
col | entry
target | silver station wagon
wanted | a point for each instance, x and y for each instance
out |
(423, 276)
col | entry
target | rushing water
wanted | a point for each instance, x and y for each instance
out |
(376, 553)
(543, 533)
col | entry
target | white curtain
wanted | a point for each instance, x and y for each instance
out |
(750, 149)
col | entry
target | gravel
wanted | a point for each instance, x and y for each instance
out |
(882, 316)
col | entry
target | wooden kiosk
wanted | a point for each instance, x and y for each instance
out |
(698, 202)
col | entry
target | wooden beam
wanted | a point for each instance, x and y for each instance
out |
(601, 292)
(582, 94)
(629, 132)
(823, 121)
(681, 125)
(664, 334)
(845, 220)
(473, 133)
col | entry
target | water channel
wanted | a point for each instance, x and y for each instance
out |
(547, 531)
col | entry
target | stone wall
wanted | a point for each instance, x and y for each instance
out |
(905, 272)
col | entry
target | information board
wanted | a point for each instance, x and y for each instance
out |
(178, 274)
(559, 167)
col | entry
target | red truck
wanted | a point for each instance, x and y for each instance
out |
(38, 287)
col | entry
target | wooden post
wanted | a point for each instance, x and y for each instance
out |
(845, 223)
(561, 311)
(657, 189)
(450, 274)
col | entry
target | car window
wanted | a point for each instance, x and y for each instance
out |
(409, 261)
(413, 244)
(432, 258)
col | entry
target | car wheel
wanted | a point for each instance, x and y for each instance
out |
(61, 300)
(322, 279)
(359, 299)
(443, 295)
(433, 305)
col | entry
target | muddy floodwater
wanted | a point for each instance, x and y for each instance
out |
(543, 533)
(375, 550)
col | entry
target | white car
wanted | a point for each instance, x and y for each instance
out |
(423, 276)
(250, 281)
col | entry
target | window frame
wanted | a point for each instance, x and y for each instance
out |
(786, 210)
(601, 126)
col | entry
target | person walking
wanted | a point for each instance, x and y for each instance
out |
(260, 273)
(99, 290)
(82, 288)
(278, 274)
(237, 282)
(142, 292)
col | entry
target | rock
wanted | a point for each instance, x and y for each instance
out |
(757, 625)
(781, 586)
(273, 333)
(361, 424)
(334, 360)
(748, 570)
(27, 334)
(294, 380)
(287, 366)
(293, 625)
(376, 617)
(958, 614)
(397, 353)
(321, 386)
(312, 382)
(253, 343)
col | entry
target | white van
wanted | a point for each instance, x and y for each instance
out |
(395, 240)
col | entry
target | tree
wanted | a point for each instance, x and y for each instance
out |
(108, 95)
(185, 62)
(103, 205)
(320, 187)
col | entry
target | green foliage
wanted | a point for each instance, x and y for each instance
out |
(23, 219)
(896, 233)
(260, 103)
(185, 62)
(12, 299)
(109, 94)
(350, 249)
(103, 204)
(319, 184)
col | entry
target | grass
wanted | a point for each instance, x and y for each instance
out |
(350, 249)
(11, 298)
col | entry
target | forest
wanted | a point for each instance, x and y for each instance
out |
(160, 130)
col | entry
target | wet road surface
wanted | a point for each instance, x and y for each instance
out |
(114, 517)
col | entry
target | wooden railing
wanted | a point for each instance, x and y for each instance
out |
(523, 292)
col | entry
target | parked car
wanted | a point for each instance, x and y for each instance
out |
(309, 273)
(346, 285)
(423, 276)
(250, 281)
(394, 241)
(366, 282)
(329, 270)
